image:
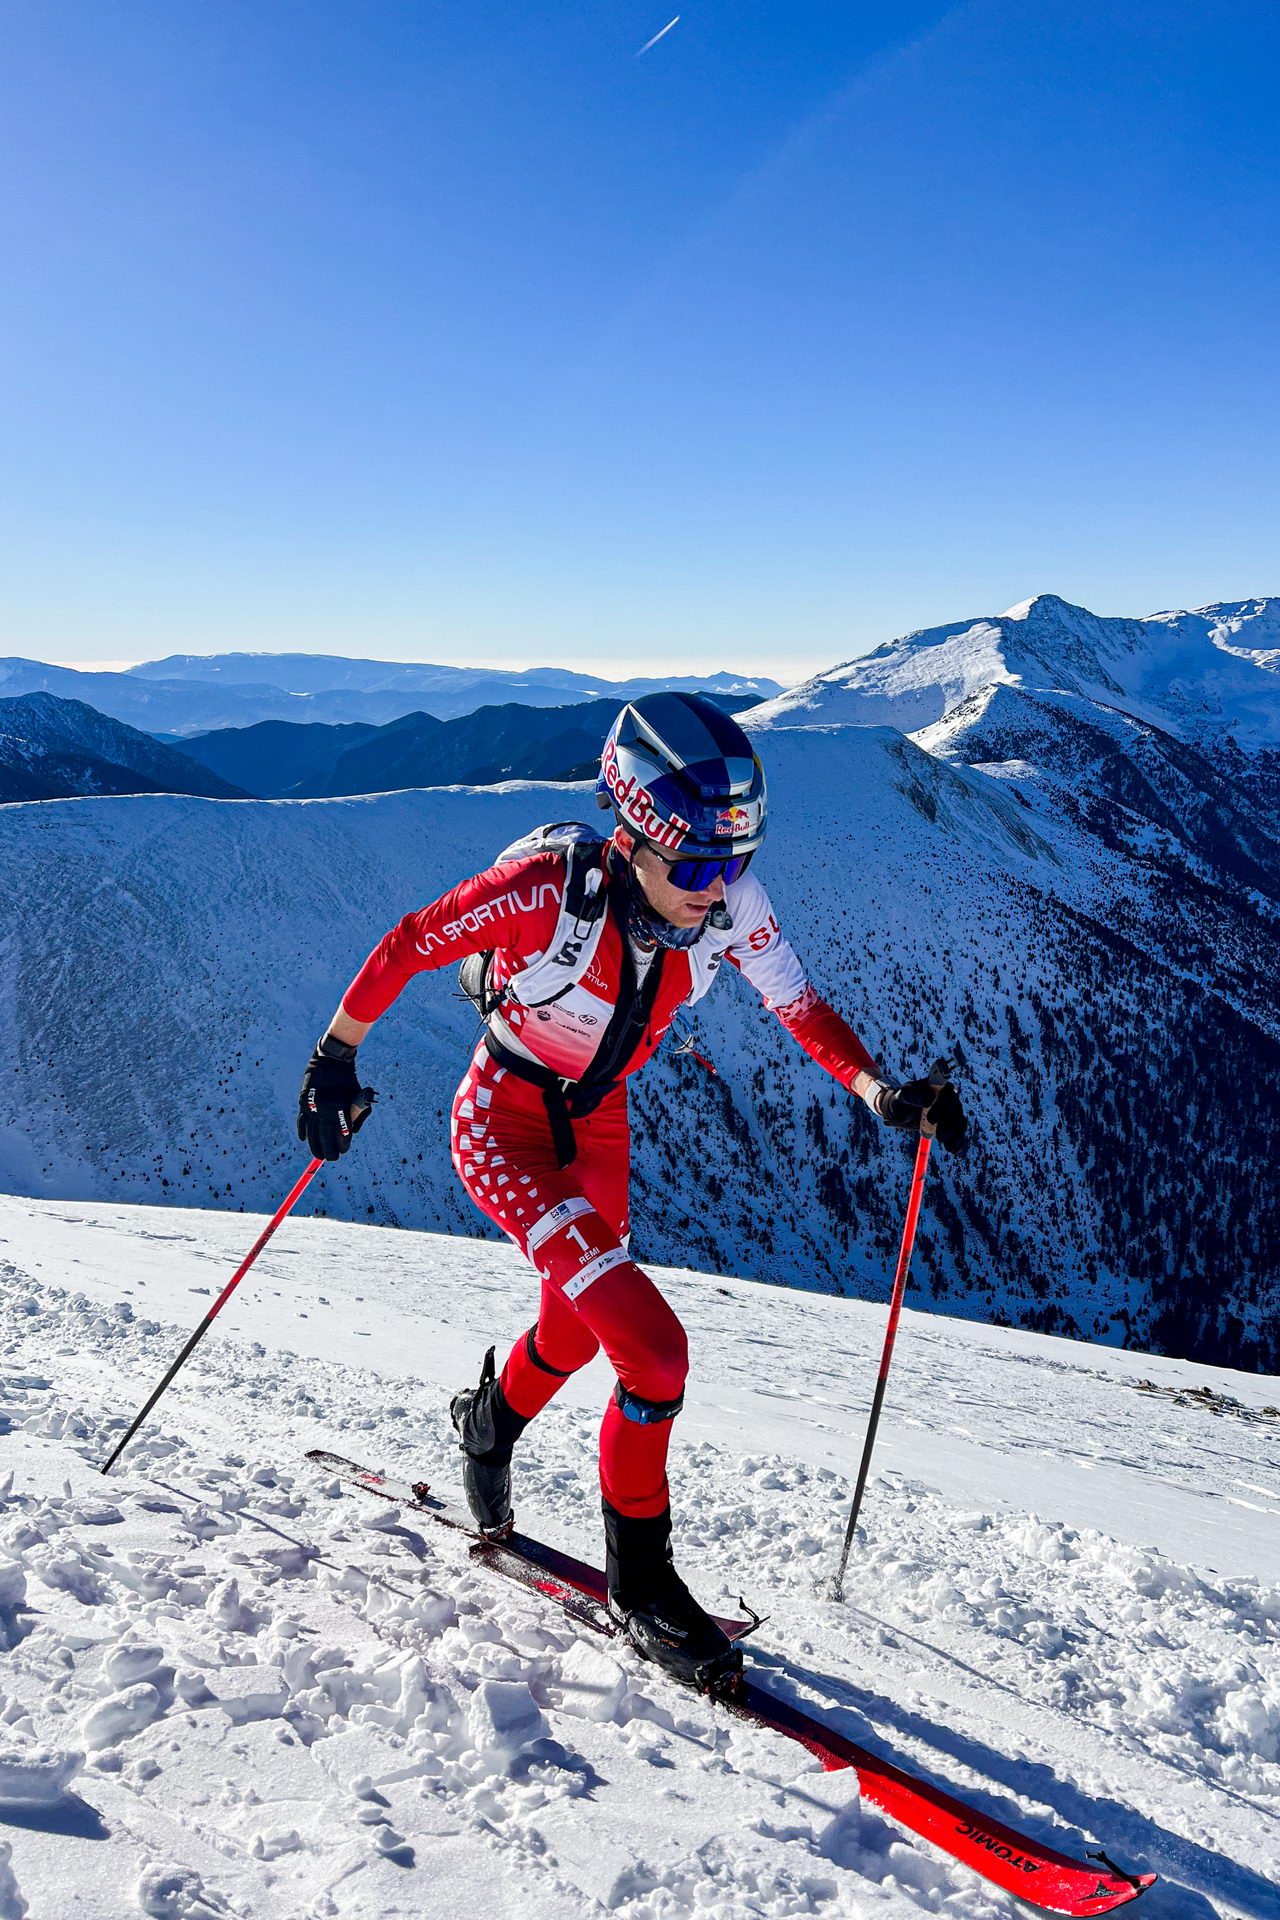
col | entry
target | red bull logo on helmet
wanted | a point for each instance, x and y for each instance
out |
(635, 803)
(733, 820)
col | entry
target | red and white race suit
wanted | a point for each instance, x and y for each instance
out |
(569, 1215)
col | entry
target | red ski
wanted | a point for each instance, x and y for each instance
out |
(1036, 1873)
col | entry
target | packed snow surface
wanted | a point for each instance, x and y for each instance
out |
(234, 1689)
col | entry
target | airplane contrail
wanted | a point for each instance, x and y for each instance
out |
(657, 36)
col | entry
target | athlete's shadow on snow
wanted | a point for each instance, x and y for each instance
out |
(989, 1680)
(1192, 1878)
(70, 1816)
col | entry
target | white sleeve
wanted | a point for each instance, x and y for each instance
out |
(758, 948)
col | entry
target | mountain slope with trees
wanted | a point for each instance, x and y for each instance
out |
(52, 749)
(279, 761)
(1119, 1031)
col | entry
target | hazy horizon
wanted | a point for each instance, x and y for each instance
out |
(613, 670)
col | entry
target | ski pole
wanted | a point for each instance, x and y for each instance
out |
(938, 1077)
(221, 1301)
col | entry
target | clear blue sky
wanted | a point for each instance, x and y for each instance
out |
(439, 330)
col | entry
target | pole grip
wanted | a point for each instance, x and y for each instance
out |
(939, 1077)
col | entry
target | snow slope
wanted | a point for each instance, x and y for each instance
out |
(1203, 675)
(235, 1691)
(169, 962)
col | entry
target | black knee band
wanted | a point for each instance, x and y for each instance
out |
(531, 1348)
(646, 1413)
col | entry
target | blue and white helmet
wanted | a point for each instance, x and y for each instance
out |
(680, 774)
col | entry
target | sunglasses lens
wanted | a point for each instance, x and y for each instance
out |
(694, 876)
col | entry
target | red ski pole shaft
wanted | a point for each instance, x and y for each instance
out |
(294, 1196)
(891, 1334)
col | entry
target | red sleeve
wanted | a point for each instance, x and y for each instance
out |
(826, 1038)
(513, 907)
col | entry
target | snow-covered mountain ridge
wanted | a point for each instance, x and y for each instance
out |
(1139, 789)
(169, 962)
(236, 1692)
(1201, 675)
(52, 748)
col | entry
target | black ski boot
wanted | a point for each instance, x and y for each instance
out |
(655, 1609)
(488, 1427)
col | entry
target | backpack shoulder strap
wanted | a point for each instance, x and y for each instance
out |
(579, 923)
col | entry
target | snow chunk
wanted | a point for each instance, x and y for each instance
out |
(176, 1893)
(66, 1570)
(36, 1776)
(381, 1520)
(151, 1500)
(120, 1715)
(279, 1840)
(1249, 1720)
(591, 1685)
(93, 1513)
(13, 1584)
(504, 1717)
(387, 1840)
(132, 1661)
(291, 1559)
(225, 1606)
(12, 1904)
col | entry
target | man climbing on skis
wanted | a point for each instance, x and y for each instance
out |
(579, 952)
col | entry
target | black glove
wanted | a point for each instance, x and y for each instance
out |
(934, 1100)
(332, 1106)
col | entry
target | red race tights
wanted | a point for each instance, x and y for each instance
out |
(571, 1223)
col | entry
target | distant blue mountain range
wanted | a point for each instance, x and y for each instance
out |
(195, 693)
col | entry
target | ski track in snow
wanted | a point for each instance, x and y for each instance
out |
(233, 1691)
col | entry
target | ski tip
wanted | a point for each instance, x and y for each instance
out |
(1114, 1889)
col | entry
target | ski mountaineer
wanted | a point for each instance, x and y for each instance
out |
(590, 946)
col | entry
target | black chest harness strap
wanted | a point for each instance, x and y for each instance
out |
(570, 1100)
(564, 1100)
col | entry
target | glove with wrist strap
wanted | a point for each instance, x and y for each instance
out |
(332, 1106)
(929, 1105)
